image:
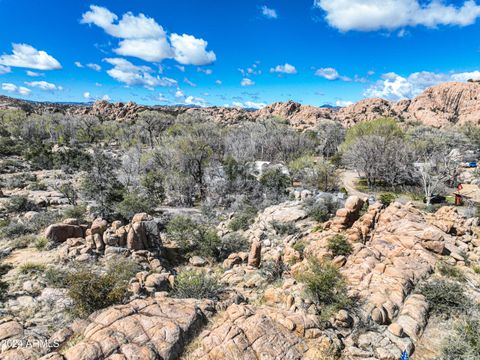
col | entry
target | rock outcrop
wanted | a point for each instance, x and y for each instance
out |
(250, 333)
(156, 328)
(440, 105)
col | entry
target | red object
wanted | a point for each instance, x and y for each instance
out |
(459, 187)
(458, 200)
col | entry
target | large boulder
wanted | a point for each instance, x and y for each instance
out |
(59, 233)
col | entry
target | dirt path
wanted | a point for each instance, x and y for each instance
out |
(21, 256)
(349, 180)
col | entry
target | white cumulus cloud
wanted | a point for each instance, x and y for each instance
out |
(95, 67)
(196, 101)
(153, 50)
(343, 103)
(284, 69)
(249, 105)
(26, 56)
(247, 82)
(12, 88)
(4, 69)
(43, 85)
(269, 12)
(395, 87)
(34, 74)
(371, 15)
(144, 38)
(126, 72)
(191, 51)
(331, 74)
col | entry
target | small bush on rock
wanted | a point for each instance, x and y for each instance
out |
(325, 286)
(464, 342)
(196, 284)
(339, 245)
(445, 298)
(387, 198)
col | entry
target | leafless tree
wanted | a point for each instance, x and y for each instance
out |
(330, 134)
(381, 159)
(154, 123)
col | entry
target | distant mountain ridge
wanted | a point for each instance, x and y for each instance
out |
(439, 106)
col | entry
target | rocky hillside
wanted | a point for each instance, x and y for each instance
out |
(438, 106)
(397, 252)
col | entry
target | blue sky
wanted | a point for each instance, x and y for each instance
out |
(237, 53)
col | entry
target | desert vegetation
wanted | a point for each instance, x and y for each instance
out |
(256, 220)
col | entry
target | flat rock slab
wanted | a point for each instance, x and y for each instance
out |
(249, 333)
(143, 329)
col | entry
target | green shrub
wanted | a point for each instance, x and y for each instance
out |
(325, 286)
(464, 342)
(196, 284)
(29, 267)
(387, 198)
(476, 269)
(43, 219)
(272, 270)
(233, 243)
(153, 184)
(287, 228)
(4, 268)
(134, 203)
(243, 219)
(194, 238)
(321, 211)
(38, 186)
(384, 127)
(445, 298)
(339, 245)
(299, 246)
(275, 182)
(56, 278)
(91, 291)
(41, 243)
(76, 212)
(14, 229)
(450, 271)
(3, 290)
(71, 160)
(20, 181)
(20, 204)
(23, 241)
